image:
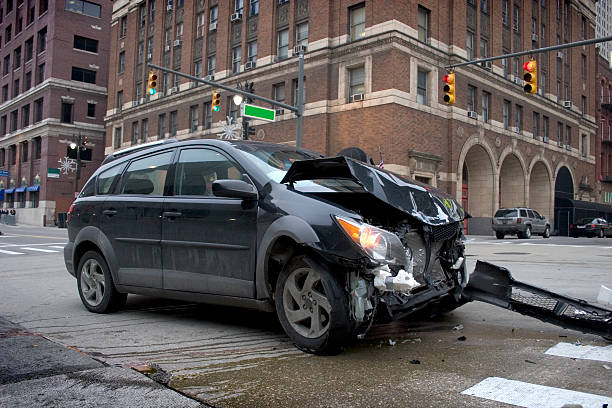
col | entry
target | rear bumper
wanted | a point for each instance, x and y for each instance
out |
(508, 228)
(580, 232)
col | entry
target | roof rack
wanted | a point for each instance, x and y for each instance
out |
(124, 152)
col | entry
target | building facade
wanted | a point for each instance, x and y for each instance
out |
(603, 27)
(373, 79)
(53, 60)
(604, 133)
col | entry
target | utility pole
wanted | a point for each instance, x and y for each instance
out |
(79, 143)
(248, 87)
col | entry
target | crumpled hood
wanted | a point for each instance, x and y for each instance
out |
(423, 202)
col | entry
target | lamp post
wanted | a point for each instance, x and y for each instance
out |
(79, 143)
(238, 99)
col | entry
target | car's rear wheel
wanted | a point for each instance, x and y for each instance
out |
(546, 233)
(500, 235)
(312, 307)
(525, 234)
(95, 285)
(600, 234)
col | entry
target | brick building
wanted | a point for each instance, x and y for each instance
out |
(53, 59)
(373, 72)
(604, 134)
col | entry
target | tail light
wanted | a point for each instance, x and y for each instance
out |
(518, 220)
(69, 214)
(592, 225)
(571, 226)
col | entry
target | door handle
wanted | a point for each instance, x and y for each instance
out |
(109, 213)
(171, 214)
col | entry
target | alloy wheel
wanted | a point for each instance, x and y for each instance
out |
(92, 282)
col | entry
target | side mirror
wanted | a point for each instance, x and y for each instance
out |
(234, 189)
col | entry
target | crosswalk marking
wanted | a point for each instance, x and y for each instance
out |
(37, 249)
(2, 251)
(582, 352)
(528, 395)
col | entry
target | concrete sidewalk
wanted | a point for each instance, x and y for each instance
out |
(37, 372)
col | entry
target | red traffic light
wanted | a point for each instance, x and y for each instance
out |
(449, 78)
(529, 66)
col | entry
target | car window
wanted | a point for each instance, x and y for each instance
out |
(147, 176)
(505, 213)
(89, 189)
(523, 213)
(197, 169)
(530, 214)
(107, 177)
(536, 214)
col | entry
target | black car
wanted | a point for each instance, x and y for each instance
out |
(591, 227)
(329, 243)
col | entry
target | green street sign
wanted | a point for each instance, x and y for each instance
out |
(253, 111)
(53, 173)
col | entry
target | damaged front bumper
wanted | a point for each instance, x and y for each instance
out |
(493, 284)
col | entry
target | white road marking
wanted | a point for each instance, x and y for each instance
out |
(38, 249)
(528, 395)
(582, 352)
(2, 251)
(31, 245)
(537, 244)
(56, 246)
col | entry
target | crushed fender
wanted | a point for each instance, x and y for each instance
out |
(493, 284)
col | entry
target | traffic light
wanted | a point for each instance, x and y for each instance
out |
(530, 77)
(449, 88)
(251, 131)
(152, 83)
(216, 101)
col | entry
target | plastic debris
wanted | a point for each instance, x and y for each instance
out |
(391, 342)
(415, 362)
(458, 327)
(607, 367)
(462, 338)
(385, 281)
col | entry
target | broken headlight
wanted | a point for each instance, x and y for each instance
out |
(380, 245)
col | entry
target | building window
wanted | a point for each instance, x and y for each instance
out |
(485, 107)
(252, 51)
(140, 54)
(91, 110)
(584, 146)
(583, 64)
(207, 115)
(518, 118)
(423, 24)
(85, 44)
(214, 14)
(422, 86)
(505, 12)
(41, 41)
(134, 132)
(8, 31)
(121, 62)
(3, 130)
(211, 64)
(584, 104)
(173, 122)
(471, 99)
(37, 147)
(15, 88)
(5, 93)
(583, 29)
(194, 118)
(179, 31)
(123, 26)
(40, 77)
(200, 25)
(536, 125)
(295, 91)
(119, 101)
(506, 114)
(43, 7)
(515, 18)
(117, 142)
(197, 70)
(83, 75)
(17, 58)
(254, 7)
(7, 65)
(83, 7)
(151, 11)
(14, 115)
(66, 113)
(144, 127)
(568, 136)
(24, 152)
(38, 110)
(161, 126)
(469, 45)
(545, 128)
(301, 34)
(142, 14)
(279, 92)
(484, 48)
(357, 22)
(283, 44)
(236, 59)
(233, 109)
(25, 116)
(356, 81)
(559, 134)
(238, 6)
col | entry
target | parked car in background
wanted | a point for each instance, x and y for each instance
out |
(591, 227)
(330, 244)
(522, 222)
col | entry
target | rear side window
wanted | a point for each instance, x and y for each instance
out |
(107, 178)
(89, 189)
(505, 213)
(530, 213)
(523, 213)
(147, 176)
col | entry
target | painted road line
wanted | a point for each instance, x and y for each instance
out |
(56, 246)
(528, 395)
(2, 251)
(582, 352)
(31, 245)
(37, 249)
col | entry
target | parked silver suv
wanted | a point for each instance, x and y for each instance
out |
(522, 222)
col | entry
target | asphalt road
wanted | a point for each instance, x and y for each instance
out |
(476, 356)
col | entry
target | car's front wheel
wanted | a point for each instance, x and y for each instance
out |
(600, 234)
(312, 307)
(546, 233)
(95, 285)
(500, 235)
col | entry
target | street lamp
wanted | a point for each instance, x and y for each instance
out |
(237, 99)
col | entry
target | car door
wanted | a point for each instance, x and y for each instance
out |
(131, 220)
(208, 242)
(538, 222)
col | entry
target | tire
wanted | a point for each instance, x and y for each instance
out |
(500, 235)
(527, 233)
(546, 233)
(600, 234)
(95, 285)
(304, 290)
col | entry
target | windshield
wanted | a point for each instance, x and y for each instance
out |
(275, 161)
(505, 213)
(585, 221)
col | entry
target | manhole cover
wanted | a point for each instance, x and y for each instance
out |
(511, 253)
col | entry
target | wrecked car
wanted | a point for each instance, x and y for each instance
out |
(329, 243)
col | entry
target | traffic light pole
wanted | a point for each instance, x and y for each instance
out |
(536, 51)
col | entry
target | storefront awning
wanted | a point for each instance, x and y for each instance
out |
(9, 190)
(34, 188)
(1, 194)
(20, 189)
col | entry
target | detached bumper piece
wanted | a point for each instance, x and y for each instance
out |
(493, 284)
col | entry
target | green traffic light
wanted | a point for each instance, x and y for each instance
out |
(152, 91)
(216, 108)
